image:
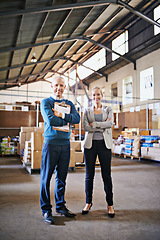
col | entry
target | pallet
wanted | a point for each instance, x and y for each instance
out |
(132, 157)
(126, 156)
(27, 166)
(8, 155)
(117, 154)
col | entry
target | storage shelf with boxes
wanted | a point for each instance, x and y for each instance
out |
(76, 153)
(146, 146)
(30, 149)
(150, 146)
(8, 146)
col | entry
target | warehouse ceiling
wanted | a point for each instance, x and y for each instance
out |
(61, 34)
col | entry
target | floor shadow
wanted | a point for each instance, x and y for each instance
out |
(141, 216)
(151, 216)
(61, 220)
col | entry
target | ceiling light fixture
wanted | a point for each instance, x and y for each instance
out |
(33, 59)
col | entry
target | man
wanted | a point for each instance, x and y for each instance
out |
(56, 151)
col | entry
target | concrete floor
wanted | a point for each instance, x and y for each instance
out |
(136, 202)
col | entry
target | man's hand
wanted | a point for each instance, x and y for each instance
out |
(56, 113)
(91, 124)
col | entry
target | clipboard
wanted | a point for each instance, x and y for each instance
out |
(63, 108)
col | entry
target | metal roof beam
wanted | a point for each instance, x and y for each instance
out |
(54, 35)
(18, 34)
(81, 64)
(57, 8)
(34, 40)
(133, 10)
(29, 64)
(87, 14)
(39, 44)
(110, 50)
(33, 45)
(83, 38)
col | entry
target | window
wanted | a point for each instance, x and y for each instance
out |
(127, 91)
(157, 18)
(95, 62)
(120, 45)
(146, 84)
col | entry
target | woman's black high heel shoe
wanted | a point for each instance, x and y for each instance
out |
(111, 215)
(86, 211)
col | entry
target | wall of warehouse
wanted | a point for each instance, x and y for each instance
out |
(150, 60)
(42, 89)
(36, 92)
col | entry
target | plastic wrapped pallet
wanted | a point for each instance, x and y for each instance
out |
(136, 147)
(154, 153)
(144, 152)
(128, 146)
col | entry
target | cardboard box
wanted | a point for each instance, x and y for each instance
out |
(154, 150)
(42, 140)
(79, 157)
(28, 136)
(154, 155)
(36, 141)
(22, 137)
(76, 145)
(36, 159)
(18, 149)
(144, 150)
(26, 129)
(72, 158)
(150, 153)
(22, 146)
(155, 132)
(28, 145)
(41, 124)
(157, 145)
(38, 129)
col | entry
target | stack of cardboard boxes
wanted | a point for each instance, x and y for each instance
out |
(150, 148)
(8, 146)
(76, 153)
(30, 145)
(36, 148)
(128, 146)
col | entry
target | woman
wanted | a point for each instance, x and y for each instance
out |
(97, 123)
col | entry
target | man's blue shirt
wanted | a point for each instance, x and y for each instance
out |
(53, 136)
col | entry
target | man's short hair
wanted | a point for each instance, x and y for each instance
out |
(58, 77)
